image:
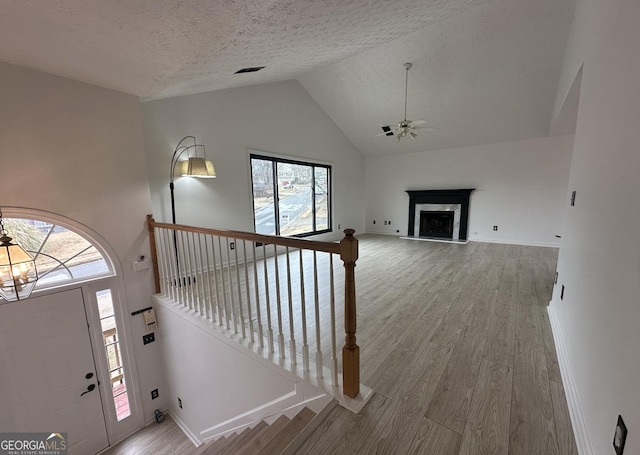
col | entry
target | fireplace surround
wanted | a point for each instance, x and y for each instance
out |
(435, 204)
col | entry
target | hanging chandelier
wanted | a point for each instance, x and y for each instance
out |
(18, 272)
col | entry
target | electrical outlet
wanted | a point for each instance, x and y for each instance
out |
(495, 228)
(154, 394)
(338, 226)
(620, 436)
(232, 245)
(148, 338)
(179, 402)
(385, 222)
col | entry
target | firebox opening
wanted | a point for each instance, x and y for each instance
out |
(436, 224)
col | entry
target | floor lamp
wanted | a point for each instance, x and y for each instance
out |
(195, 166)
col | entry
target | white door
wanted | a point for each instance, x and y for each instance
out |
(47, 370)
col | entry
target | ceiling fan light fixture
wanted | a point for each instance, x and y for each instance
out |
(405, 127)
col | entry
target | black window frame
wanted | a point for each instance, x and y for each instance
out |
(274, 168)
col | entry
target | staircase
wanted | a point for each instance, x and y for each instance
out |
(281, 437)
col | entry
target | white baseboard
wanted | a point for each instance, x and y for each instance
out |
(185, 429)
(575, 410)
(513, 242)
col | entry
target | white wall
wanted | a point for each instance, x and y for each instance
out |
(599, 261)
(221, 384)
(521, 187)
(277, 118)
(76, 150)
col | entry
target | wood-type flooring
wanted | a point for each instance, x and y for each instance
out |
(456, 343)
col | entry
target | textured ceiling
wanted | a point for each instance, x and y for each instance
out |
(484, 70)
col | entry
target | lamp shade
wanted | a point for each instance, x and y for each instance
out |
(197, 167)
(18, 272)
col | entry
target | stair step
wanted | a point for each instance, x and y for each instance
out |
(257, 444)
(261, 439)
(218, 446)
(244, 438)
(289, 432)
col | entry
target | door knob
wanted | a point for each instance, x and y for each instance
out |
(89, 389)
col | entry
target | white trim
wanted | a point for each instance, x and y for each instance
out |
(511, 242)
(573, 401)
(186, 430)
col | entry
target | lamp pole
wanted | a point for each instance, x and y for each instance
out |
(180, 149)
(196, 166)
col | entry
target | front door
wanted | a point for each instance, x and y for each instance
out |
(48, 380)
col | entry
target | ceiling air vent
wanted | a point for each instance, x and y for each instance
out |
(251, 69)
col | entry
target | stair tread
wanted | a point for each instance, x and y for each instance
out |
(256, 445)
(243, 438)
(289, 432)
(217, 446)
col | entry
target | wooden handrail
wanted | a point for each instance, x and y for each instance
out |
(347, 248)
(303, 244)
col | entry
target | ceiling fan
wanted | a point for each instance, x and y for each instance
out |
(404, 128)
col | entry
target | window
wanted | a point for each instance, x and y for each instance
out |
(114, 356)
(290, 198)
(61, 255)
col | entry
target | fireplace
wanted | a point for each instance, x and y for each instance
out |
(439, 214)
(436, 224)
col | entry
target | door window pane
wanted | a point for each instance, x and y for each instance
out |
(113, 353)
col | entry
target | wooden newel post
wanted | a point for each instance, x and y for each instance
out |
(350, 351)
(154, 252)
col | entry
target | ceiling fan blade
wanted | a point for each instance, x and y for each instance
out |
(426, 128)
(417, 122)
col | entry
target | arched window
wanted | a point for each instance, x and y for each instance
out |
(62, 256)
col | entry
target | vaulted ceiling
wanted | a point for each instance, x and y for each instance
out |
(484, 71)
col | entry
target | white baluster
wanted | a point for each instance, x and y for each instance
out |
(240, 310)
(334, 349)
(246, 283)
(319, 373)
(266, 291)
(278, 303)
(224, 286)
(292, 337)
(303, 307)
(216, 286)
(257, 291)
(210, 298)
